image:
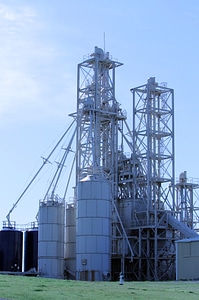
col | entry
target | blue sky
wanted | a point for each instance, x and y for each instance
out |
(41, 43)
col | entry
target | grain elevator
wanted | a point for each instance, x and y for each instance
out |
(127, 210)
(135, 217)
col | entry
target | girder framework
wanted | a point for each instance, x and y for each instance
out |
(153, 181)
(186, 206)
(98, 115)
(153, 140)
(100, 130)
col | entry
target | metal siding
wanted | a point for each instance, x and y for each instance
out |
(93, 240)
(187, 260)
(51, 239)
(195, 249)
(186, 249)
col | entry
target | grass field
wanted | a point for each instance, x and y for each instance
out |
(32, 288)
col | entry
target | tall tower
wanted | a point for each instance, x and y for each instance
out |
(153, 140)
(98, 114)
(153, 178)
(185, 206)
(98, 121)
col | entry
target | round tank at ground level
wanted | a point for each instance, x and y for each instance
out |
(51, 238)
(31, 249)
(93, 233)
(11, 245)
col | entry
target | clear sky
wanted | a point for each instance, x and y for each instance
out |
(41, 43)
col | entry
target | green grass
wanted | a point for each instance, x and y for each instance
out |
(32, 288)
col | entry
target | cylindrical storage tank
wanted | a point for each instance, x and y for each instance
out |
(93, 229)
(31, 250)
(70, 245)
(51, 238)
(11, 245)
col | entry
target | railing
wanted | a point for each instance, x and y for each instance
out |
(191, 180)
(22, 227)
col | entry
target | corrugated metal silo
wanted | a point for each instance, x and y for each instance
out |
(11, 243)
(93, 234)
(51, 238)
(70, 247)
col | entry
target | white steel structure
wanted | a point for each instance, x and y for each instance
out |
(99, 131)
(153, 180)
(153, 140)
(127, 211)
(98, 115)
(144, 217)
(186, 204)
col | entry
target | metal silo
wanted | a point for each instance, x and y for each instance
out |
(31, 249)
(70, 246)
(93, 238)
(51, 238)
(11, 243)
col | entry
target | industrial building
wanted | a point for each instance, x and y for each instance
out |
(127, 211)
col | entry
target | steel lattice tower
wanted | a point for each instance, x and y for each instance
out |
(98, 115)
(153, 140)
(185, 206)
(153, 179)
(100, 124)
